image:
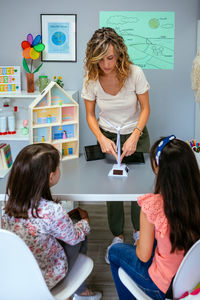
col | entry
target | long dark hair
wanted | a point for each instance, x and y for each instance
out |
(29, 179)
(178, 181)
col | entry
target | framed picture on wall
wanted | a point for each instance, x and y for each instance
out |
(59, 35)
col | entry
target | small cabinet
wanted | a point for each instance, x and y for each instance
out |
(54, 119)
(22, 100)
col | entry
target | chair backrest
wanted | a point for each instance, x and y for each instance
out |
(132, 286)
(20, 275)
(188, 274)
(78, 274)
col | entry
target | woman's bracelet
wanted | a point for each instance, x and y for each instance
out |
(138, 128)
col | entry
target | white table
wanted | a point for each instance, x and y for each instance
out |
(83, 180)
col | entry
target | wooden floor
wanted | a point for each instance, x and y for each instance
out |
(98, 240)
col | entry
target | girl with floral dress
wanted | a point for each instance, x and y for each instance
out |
(39, 220)
(169, 222)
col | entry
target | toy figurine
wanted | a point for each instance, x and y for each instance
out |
(49, 119)
(43, 139)
(25, 130)
(64, 134)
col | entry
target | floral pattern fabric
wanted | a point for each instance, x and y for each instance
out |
(41, 234)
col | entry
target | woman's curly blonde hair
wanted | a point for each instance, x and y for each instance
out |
(97, 48)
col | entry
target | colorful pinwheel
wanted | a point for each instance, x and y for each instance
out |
(31, 50)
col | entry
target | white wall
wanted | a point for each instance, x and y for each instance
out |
(171, 96)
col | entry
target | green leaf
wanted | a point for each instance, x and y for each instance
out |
(36, 70)
(25, 65)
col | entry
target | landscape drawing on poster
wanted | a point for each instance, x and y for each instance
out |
(149, 36)
(58, 37)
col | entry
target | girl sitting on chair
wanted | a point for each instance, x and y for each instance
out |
(169, 222)
(40, 221)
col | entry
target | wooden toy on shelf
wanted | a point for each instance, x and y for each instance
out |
(54, 119)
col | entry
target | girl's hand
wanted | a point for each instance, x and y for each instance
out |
(129, 146)
(83, 214)
(108, 146)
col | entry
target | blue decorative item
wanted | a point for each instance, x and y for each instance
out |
(70, 151)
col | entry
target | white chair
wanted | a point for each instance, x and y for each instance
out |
(187, 276)
(21, 277)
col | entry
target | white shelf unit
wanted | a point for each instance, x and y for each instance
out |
(22, 101)
(54, 119)
(17, 99)
(21, 114)
(22, 94)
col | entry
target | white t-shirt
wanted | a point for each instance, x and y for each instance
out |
(121, 109)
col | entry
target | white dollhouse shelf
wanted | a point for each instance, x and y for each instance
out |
(54, 119)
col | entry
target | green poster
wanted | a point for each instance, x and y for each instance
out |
(149, 36)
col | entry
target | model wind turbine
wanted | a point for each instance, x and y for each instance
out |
(120, 170)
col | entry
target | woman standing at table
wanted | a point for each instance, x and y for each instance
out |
(120, 90)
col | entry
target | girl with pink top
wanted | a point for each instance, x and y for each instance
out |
(40, 221)
(169, 222)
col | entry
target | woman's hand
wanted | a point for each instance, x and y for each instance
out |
(107, 146)
(130, 145)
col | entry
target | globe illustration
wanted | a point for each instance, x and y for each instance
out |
(58, 38)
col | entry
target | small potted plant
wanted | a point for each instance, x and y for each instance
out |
(59, 81)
